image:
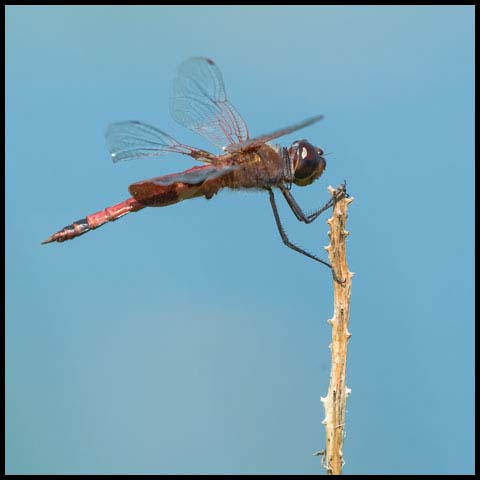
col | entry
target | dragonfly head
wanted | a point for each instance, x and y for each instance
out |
(308, 163)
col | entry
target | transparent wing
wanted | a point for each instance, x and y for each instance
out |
(132, 139)
(255, 142)
(198, 101)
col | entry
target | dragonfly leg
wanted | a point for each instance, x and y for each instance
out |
(291, 245)
(297, 210)
(285, 239)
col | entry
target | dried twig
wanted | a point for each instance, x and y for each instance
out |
(336, 400)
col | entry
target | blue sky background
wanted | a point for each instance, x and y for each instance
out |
(188, 339)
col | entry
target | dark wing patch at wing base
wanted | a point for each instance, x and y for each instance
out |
(195, 175)
(165, 190)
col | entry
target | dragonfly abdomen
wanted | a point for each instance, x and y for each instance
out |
(95, 220)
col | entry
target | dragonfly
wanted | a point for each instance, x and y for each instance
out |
(198, 101)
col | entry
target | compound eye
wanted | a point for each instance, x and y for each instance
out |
(309, 163)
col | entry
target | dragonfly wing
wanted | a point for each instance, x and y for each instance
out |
(132, 139)
(255, 142)
(167, 187)
(195, 175)
(198, 101)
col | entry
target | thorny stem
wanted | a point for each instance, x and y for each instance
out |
(336, 400)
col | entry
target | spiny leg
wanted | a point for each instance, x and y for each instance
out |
(297, 210)
(291, 245)
(285, 239)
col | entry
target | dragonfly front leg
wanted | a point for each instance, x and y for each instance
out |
(296, 209)
(285, 239)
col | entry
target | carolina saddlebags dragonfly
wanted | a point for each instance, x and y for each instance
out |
(198, 101)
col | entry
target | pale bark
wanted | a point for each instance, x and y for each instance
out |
(336, 400)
